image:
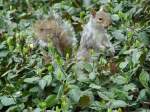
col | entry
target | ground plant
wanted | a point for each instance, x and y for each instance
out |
(29, 82)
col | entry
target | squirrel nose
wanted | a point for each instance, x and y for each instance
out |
(106, 27)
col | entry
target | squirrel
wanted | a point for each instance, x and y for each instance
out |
(62, 35)
(94, 35)
(57, 31)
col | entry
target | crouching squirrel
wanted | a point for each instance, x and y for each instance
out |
(57, 31)
(94, 35)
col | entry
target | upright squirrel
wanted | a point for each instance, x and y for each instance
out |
(94, 35)
(57, 31)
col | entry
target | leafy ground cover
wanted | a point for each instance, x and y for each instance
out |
(28, 82)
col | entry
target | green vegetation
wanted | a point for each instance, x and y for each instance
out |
(28, 82)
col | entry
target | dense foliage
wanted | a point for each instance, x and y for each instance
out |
(29, 82)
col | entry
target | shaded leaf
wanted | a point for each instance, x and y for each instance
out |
(51, 100)
(74, 94)
(31, 80)
(3, 53)
(136, 56)
(119, 35)
(116, 104)
(6, 101)
(144, 78)
(42, 83)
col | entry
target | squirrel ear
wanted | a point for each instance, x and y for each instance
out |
(93, 13)
(102, 8)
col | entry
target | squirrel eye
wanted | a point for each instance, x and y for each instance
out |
(100, 19)
(42, 29)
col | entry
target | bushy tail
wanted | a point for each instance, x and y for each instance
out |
(60, 32)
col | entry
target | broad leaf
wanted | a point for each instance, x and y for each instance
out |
(42, 83)
(144, 78)
(74, 94)
(31, 80)
(122, 65)
(136, 56)
(3, 53)
(116, 104)
(51, 100)
(6, 101)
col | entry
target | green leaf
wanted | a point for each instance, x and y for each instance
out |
(59, 74)
(94, 86)
(2, 46)
(37, 110)
(128, 51)
(136, 56)
(42, 83)
(119, 35)
(103, 96)
(143, 110)
(109, 110)
(1, 105)
(143, 36)
(104, 1)
(119, 80)
(82, 77)
(142, 95)
(115, 17)
(122, 65)
(6, 101)
(51, 100)
(13, 108)
(48, 79)
(3, 53)
(116, 104)
(102, 61)
(31, 80)
(129, 87)
(86, 99)
(92, 75)
(60, 91)
(75, 93)
(88, 67)
(42, 105)
(144, 78)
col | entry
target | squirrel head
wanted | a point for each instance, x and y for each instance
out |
(101, 18)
